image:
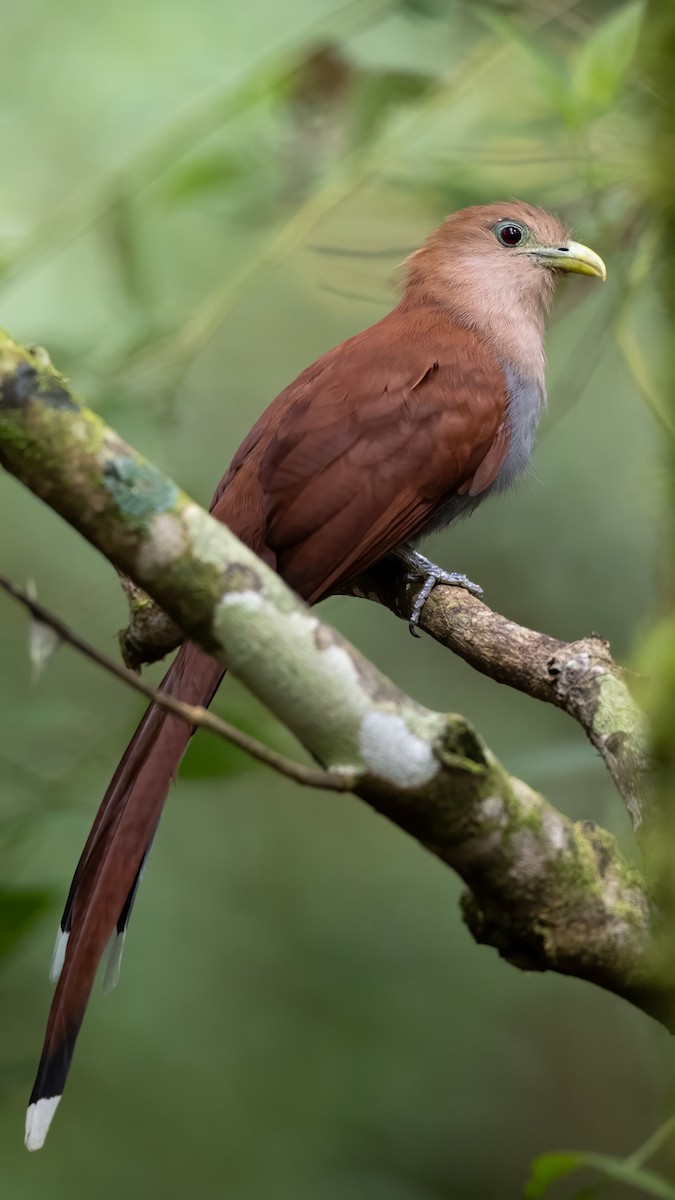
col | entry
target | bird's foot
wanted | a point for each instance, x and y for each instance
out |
(419, 566)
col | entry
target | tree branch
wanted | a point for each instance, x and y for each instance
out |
(193, 714)
(548, 893)
(581, 677)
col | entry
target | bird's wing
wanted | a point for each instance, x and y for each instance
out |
(367, 448)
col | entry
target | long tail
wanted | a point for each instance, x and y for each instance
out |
(108, 873)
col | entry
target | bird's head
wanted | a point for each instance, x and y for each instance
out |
(494, 266)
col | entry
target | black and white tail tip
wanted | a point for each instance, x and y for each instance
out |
(38, 1119)
(41, 1109)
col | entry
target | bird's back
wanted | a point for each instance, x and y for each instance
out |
(354, 457)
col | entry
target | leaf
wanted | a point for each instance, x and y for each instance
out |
(19, 910)
(43, 642)
(431, 9)
(377, 95)
(604, 59)
(123, 227)
(549, 70)
(205, 173)
(548, 1168)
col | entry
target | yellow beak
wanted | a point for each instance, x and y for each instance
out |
(571, 257)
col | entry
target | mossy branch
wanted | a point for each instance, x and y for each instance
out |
(548, 893)
(580, 677)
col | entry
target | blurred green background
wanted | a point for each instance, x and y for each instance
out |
(197, 200)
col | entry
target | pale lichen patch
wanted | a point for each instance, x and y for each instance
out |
(493, 810)
(112, 443)
(205, 536)
(166, 542)
(341, 666)
(80, 429)
(392, 753)
(249, 601)
(301, 624)
(553, 828)
(526, 857)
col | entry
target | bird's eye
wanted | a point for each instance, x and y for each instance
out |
(510, 234)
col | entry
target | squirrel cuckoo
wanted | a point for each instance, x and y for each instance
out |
(389, 435)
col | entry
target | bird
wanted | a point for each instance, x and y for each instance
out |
(394, 433)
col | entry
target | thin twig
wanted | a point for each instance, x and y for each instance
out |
(196, 715)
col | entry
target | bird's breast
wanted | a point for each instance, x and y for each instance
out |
(526, 403)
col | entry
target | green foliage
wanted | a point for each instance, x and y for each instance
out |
(550, 1168)
(604, 59)
(279, 132)
(379, 96)
(582, 83)
(207, 172)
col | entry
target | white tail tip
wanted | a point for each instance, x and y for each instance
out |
(59, 955)
(38, 1119)
(114, 963)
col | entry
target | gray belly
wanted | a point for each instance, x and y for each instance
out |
(526, 402)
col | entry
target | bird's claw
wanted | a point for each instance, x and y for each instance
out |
(419, 565)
